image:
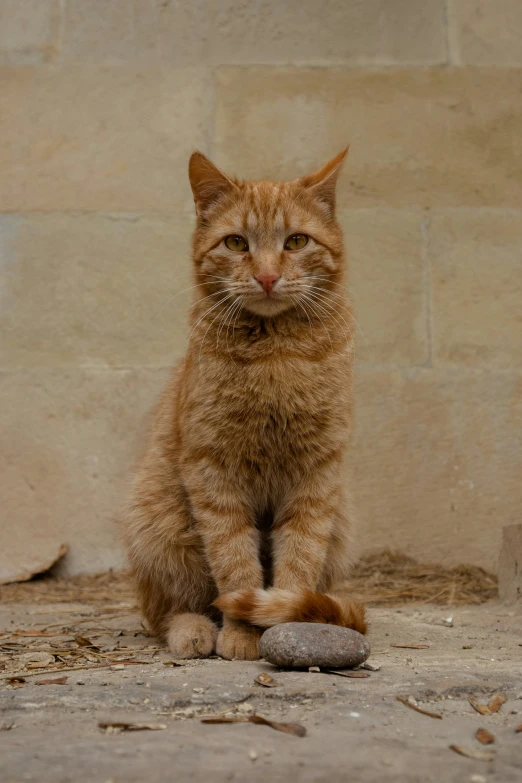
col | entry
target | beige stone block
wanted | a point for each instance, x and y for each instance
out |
(109, 31)
(477, 288)
(483, 32)
(387, 284)
(435, 459)
(69, 439)
(94, 290)
(422, 137)
(435, 462)
(113, 138)
(29, 30)
(114, 290)
(311, 32)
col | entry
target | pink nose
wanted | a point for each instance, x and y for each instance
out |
(267, 281)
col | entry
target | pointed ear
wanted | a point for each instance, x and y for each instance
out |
(208, 183)
(322, 183)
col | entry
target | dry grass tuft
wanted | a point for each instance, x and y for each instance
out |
(110, 587)
(381, 579)
(388, 578)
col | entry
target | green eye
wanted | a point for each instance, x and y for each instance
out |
(296, 242)
(236, 243)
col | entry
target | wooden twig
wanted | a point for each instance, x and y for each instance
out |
(418, 709)
(73, 669)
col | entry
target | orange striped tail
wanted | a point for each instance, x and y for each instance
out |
(266, 608)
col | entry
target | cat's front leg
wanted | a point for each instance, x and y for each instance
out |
(301, 538)
(231, 543)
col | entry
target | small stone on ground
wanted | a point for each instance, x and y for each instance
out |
(301, 645)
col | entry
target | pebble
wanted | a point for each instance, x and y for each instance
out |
(188, 712)
(246, 708)
(371, 667)
(301, 645)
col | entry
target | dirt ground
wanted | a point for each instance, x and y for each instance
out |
(356, 729)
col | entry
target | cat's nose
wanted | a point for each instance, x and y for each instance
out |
(267, 281)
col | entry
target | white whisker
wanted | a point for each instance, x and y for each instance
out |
(229, 309)
(179, 294)
(314, 289)
(330, 293)
(319, 303)
(345, 288)
(327, 306)
(350, 313)
(239, 308)
(216, 293)
(326, 301)
(202, 341)
(191, 288)
(207, 313)
(296, 301)
(324, 280)
(318, 316)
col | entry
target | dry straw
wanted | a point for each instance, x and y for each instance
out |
(380, 579)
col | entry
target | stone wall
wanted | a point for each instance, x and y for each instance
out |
(101, 102)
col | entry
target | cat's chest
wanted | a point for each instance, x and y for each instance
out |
(272, 405)
(286, 388)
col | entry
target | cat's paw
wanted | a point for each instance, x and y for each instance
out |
(191, 636)
(238, 642)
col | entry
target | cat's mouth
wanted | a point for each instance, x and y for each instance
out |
(267, 303)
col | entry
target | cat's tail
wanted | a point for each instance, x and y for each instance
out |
(271, 607)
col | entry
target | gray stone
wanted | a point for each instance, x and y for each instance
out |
(301, 645)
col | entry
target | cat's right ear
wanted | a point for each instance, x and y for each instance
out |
(208, 183)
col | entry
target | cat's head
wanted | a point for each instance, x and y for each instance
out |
(270, 245)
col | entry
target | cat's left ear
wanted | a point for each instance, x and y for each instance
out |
(208, 183)
(322, 183)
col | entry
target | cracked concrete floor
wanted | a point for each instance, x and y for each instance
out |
(356, 729)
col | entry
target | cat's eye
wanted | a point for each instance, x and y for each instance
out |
(236, 243)
(296, 242)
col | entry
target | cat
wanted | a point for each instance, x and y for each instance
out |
(237, 505)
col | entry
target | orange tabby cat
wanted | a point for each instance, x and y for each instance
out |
(238, 501)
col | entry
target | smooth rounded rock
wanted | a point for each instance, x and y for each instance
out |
(301, 645)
